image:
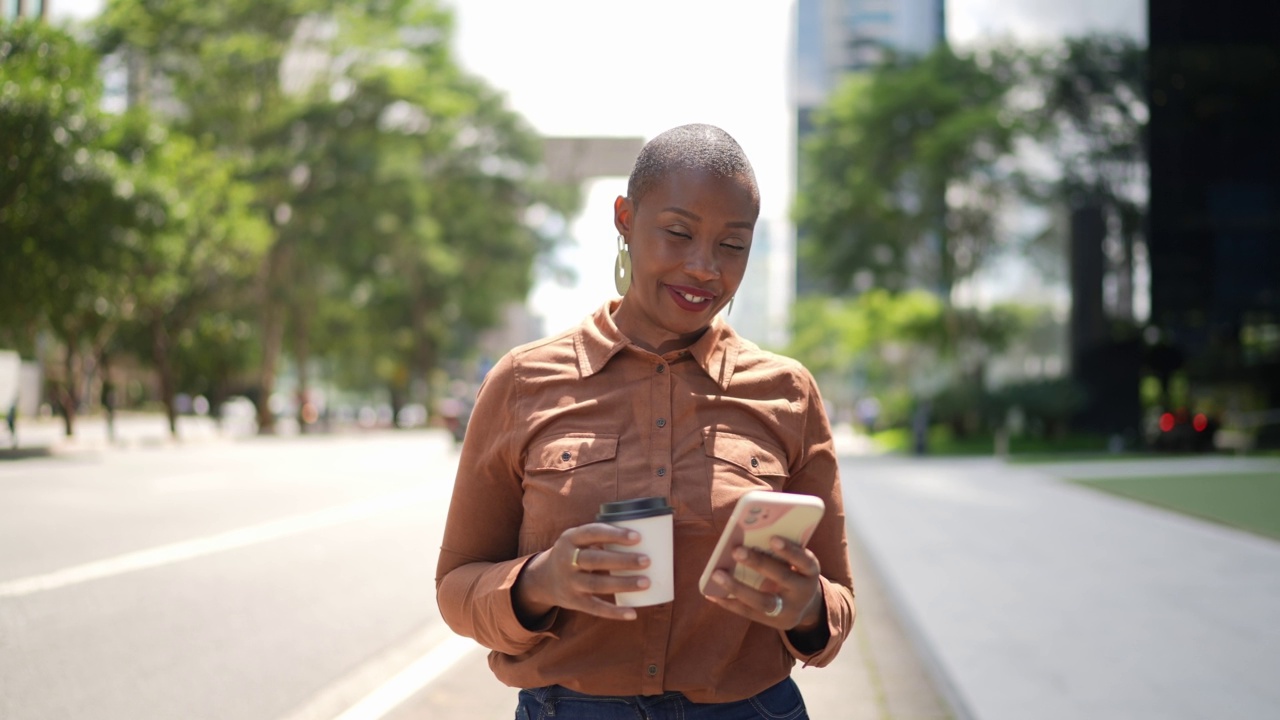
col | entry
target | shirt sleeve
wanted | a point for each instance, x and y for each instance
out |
(478, 562)
(817, 473)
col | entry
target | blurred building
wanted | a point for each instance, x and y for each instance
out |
(13, 9)
(1215, 198)
(761, 308)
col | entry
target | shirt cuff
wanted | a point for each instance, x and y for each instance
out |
(479, 595)
(839, 602)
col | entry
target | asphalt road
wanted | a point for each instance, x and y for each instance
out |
(274, 579)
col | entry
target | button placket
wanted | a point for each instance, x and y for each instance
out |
(660, 443)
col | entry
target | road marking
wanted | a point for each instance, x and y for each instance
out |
(409, 681)
(199, 547)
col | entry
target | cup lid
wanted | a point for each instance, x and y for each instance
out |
(634, 509)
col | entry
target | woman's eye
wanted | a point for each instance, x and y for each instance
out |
(733, 246)
(679, 233)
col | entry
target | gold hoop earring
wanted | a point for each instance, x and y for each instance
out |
(622, 267)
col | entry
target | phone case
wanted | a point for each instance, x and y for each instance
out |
(759, 516)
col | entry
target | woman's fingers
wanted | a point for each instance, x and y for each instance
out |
(593, 559)
(583, 568)
(789, 588)
(599, 534)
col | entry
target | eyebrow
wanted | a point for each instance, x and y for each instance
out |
(745, 225)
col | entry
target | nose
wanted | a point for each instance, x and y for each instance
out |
(701, 263)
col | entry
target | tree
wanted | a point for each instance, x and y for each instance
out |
(389, 176)
(906, 169)
(61, 209)
(879, 343)
(1094, 124)
(216, 70)
(196, 239)
(1094, 121)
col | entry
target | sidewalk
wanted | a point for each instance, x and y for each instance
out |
(44, 436)
(1042, 599)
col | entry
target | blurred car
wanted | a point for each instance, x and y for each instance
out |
(412, 415)
(1183, 431)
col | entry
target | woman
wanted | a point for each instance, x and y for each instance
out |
(653, 395)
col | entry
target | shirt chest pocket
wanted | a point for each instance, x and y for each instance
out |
(737, 464)
(566, 478)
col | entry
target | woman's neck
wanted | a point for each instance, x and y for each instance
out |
(656, 342)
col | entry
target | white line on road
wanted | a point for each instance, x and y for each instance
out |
(409, 681)
(198, 547)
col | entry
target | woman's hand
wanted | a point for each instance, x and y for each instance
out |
(790, 598)
(574, 573)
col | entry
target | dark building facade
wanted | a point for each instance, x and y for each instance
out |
(1214, 224)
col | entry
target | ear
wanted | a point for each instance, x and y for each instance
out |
(623, 215)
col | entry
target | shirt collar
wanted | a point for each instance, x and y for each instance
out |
(598, 339)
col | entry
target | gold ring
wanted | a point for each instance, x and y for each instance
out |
(777, 606)
(574, 561)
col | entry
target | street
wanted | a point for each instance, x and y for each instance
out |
(249, 579)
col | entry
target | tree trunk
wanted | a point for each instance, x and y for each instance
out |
(302, 355)
(164, 368)
(272, 331)
(69, 392)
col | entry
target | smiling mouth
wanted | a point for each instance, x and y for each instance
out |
(691, 299)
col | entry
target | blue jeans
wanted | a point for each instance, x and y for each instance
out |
(782, 701)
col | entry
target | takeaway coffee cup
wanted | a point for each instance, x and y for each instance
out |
(651, 517)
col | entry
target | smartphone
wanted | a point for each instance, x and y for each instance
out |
(759, 516)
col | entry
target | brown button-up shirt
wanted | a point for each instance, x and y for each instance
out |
(586, 417)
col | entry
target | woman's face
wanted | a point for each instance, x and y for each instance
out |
(689, 236)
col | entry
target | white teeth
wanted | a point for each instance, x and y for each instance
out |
(693, 298)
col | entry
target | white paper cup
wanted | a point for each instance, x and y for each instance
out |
(652, 518)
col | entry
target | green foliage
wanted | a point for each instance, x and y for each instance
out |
(393, 184)
(57, 200)
(196, 243)
(63, 214)
(878, 343)
(1046, 405)
(830, 335)
(903, 174)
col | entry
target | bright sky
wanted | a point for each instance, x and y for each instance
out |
(595, 67)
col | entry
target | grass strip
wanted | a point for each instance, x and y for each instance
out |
(1247, 501)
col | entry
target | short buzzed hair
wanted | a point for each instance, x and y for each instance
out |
(691, 147)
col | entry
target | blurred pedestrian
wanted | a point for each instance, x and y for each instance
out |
(108, 399)
(920, 427)
(868, 410)
(11, 419)
(652, 395)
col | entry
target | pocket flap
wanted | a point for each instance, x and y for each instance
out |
(747, 453)
(567, 452)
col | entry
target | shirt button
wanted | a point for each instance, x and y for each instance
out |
(662, 472)
(662, 422)
(653, 670)
(662, 368)
(565, 456)
(754, 462)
